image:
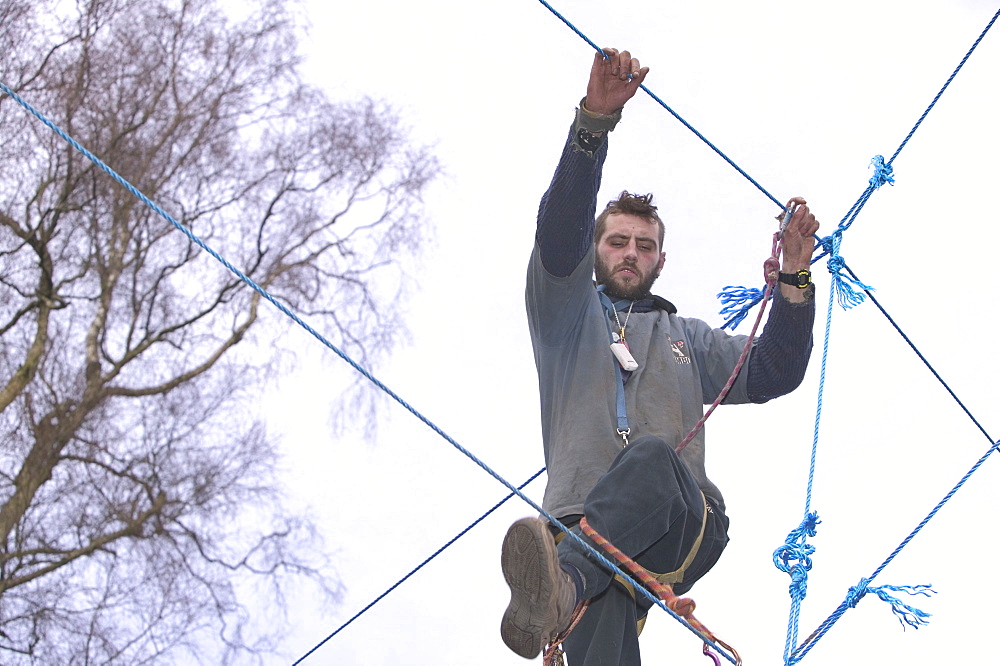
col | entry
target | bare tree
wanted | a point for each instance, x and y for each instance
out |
(137, 503)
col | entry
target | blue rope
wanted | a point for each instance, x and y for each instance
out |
(668, 109)
(855, 593)
(795, 559)
(851, 291)
(260, 290)
(416, 569)
(926, 363)
(795, 543)
(738, 301)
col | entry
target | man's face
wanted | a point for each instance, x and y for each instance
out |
(628, 257)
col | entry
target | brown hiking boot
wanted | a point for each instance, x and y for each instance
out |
(542, 595)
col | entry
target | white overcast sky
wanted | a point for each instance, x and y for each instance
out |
(802, 95)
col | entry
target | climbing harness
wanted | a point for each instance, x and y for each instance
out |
(683, 607)
(672, 577)
(553, 652)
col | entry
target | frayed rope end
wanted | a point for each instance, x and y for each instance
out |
(738, 302)
(906, 614)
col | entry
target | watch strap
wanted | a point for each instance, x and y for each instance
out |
(800, 279)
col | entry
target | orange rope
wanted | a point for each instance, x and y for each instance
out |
(683, 607)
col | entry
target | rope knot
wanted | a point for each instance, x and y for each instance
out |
(793, 557)
(857, 593)
(883, 173)
(771, 269)
(682, 606)
(800, 582)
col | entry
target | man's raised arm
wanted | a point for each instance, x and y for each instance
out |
(566, 212)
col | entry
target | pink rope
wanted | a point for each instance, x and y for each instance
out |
(771, 268)
(552, 656)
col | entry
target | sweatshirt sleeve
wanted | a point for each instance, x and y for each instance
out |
(565, 230)
(778, 361)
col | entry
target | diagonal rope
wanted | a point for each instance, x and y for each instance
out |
(796, 547)
(416, 569)
(850, 291)
(669, 110)
(858, 591)
(368, 375)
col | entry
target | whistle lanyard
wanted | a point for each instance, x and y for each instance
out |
(623, 429)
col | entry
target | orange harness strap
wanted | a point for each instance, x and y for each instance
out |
(683, 607)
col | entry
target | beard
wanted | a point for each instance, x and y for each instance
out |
(618, 289)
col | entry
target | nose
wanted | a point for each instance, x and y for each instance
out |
(631, 252)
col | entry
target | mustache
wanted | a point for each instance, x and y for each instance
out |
(628, 264)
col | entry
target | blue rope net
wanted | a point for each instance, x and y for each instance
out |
(851, 291)
(794, 557)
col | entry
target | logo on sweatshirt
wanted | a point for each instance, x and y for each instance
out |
(680, 352)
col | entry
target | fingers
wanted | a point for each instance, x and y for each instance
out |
(614, 79)
(803, 221)
(621, 64)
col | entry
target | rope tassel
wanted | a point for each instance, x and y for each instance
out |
(738, 302)
(906, 614)
(850, 292)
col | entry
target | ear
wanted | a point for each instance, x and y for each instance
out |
(659, 265)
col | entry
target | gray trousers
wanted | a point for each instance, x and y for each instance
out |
(649, 506)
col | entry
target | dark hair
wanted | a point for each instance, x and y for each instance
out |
(640, 205)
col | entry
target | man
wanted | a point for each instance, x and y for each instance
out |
(622, 380)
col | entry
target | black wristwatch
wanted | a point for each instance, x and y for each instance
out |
(800, 279)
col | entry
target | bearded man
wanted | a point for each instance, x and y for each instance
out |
(622, 380)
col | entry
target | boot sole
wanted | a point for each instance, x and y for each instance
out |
(530, 565)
